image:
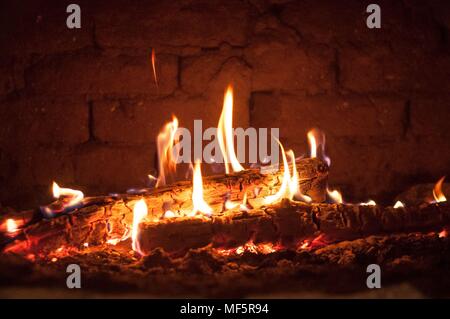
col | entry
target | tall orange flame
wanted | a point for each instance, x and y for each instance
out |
(437, 191)
(290, 184)
(198, 202)
(74, 196)
(139, 213)
(154, 67)
(225, 134)
(294, 183)
(167, 161)
(284, 188)
(316, 139)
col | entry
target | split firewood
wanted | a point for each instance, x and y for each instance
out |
(286, 224)
(290, 223)
(110, 218)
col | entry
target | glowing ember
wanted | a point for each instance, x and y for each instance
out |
(114, 241)
(316, 138)
(167, 161)
(251, 247)
(72, 196)
(304, 245)
(154, 67)
(139, 213)
(225, 134)
(437, 191)
(398, 204)
(335, 196)
(198, 202)
(443, 234)
(369, 203)
(11, 225)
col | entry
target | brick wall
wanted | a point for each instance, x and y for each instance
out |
(81, 106)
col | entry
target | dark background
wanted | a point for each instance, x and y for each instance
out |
(81, 106)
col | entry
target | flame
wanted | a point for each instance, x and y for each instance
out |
(169, 214)
(443, 234)
(294, 184)
(245, 206)
(154, 67)
(437, 191)
(11, 225)
(312, 145)
(290, 186)
(316, 138)
(225, 134)
(335, 196)
(199, 204)
(74, 196)
(284, 189)
(230, 205)
(167, 162)
(139, 213)
(369, 203)
(398, 204)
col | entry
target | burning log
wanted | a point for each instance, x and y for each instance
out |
(108, 219)
(290, 223)
(285, 224)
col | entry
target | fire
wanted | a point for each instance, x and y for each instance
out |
(154, 67)
(225, 134)
(443, 234)
(11, 225)
(312, 145)
(73, 196)
(230, 205)
(139, 213)
(305, 245)
(335, 196)
(169, 214)
(245, 206)
(290, 187)
(198, 202)
(316, 138)
(398, 204)
(284, 189)
(167, 162)
(437, 191)
(294, 184)
(251, 247)
(369, 203)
